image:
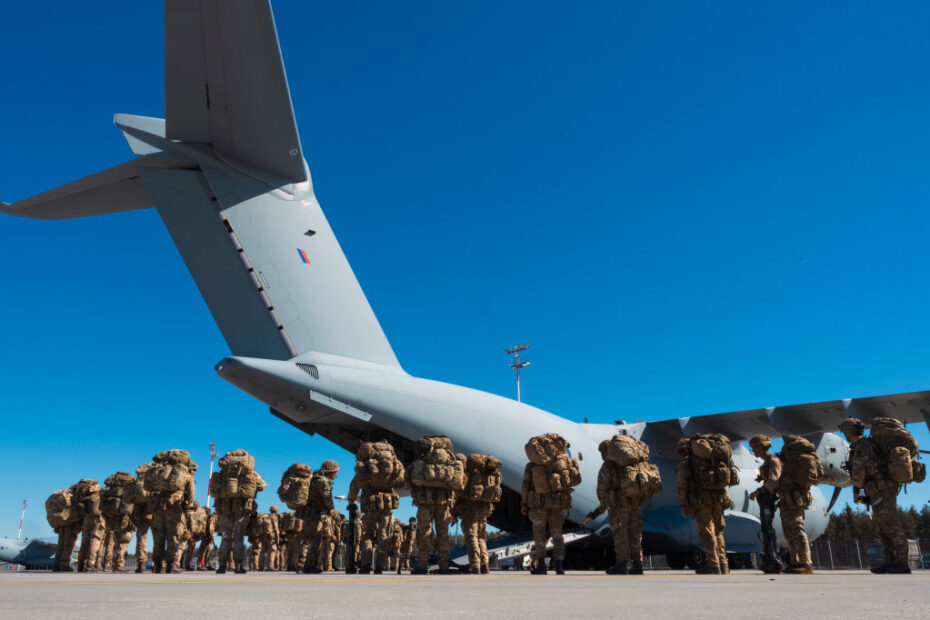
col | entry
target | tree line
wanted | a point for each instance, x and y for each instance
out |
(852, 524)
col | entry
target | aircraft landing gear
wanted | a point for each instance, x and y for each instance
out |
(695, 559)
(676, 561)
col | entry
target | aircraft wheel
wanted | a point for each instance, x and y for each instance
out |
(676, 561)
(695, 559)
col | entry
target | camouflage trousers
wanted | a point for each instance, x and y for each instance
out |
(167, 532)
(554, 518)
(231, 527)
(105, 551)
(476, 536)
(92, 530)
(432, 526)
(888, 526)
(311, 539)
(327, 549)
(405, 552)
(626, 525)
(376, 536)
(142, 521)
(293, 551)
(119, 530)
(792, 524)
(255, 553)
(269, 557)
(67, 537)
(710, 526)
(202, 557)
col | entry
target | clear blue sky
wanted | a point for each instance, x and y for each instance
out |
(683, 209)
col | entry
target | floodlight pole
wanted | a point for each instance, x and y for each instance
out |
(212, 458)
(21, 519)
(516, 363)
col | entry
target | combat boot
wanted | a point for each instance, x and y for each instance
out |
(378, 571)
(800, 569)
(706, 570)
(540, 569)
(140, 568)
(419, 570)
(879, 569)
(365, 569)
(559, 569)
(484, 569)
(636, 568)
(618, 569)
(156, 567)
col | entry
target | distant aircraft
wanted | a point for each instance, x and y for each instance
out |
(226, 172)
(31, 553)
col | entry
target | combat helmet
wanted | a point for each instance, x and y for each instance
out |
(273, 509)
(760, 441)
(329, 466)
(852, 425)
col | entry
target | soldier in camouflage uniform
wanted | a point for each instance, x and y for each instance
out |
(706, 507)
(792, 518)
(329, 538)
(434, 517)
(320, 504)
(376, 522)
(545, 510)
(202, 556)
(232, 518)
(141, 519)
(254, 532)
(168, 529)
(408, 546)
(92, 526)
(68, 535)
(271, 539)
(397, 538)
(119, 526)
(866, 473)
(626, 522)
(352, 547)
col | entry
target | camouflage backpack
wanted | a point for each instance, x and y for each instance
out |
(169, 473)
(58, 509)
(899, 451)
(801, 467)
(295, 486)
(321, 487)
(113, 500)
(237, 478)
(625, 450)
(436, 465)
(542, 449)
(135, 493)
(640, 480)
(710, 460)
(483, 479)
(378, 467)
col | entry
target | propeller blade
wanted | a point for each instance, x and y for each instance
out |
(836, 496)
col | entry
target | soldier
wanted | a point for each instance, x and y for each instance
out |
(547, 506)
(315, 513)
(868, 472)
(235, 504)
(291, 527)
(171, 486)
(254, 532)
(338, 521)
(116, 514)
(379, 499)
(141, 515)
(92, 525)
(352, 541)
(769, 474)
(271, 538)
(202, 556)
(475, 504)
(65, 515)
(434, 497)
(704, 473)
(329, 538)
(397, 538)
(408, 546)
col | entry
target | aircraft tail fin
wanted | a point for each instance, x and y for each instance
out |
(113, 190)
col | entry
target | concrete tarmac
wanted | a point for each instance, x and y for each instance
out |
(661, 595)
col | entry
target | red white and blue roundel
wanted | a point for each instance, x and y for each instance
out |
(303, 256)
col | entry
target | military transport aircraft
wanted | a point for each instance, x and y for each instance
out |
(226, 171)
(31, 553)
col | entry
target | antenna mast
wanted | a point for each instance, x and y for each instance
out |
(516, 363)
(212, 458)
(21, 519)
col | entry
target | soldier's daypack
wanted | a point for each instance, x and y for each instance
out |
(237, 478)
(113, 500)
(898, 450)
(801, 467)
(135, 493)
(625, 450)
(640, 480)
(169, 472)
(198, 520)
(483, 479)
(295, 486)
(710, 460)
(290, 523)
(59, 510)
(378, 467)
(436, 465)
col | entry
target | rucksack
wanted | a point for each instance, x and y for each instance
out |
(377, 467)
(197, 521)
(135, 492)
(542, 449)
(59, 510)
(625, 450)
(899, 451)
(113, 500)
(640, 480)
(483, 479)
(166, 477)
(295, 486)
(801, 466)
(174, 457)
(711, 446)
(237, 478)
(436, 465)
(710, 459)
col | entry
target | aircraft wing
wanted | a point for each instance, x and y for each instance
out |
(800, 419)
(225, 84)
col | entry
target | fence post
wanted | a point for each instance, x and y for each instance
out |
(859, 554)
(830, 551)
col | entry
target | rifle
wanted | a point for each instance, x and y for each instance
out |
(767, 505)
(350, 544)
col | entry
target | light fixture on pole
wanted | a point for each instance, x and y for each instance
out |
(516, 363)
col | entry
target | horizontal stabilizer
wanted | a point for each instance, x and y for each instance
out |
(225, 84)
(111, 191)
